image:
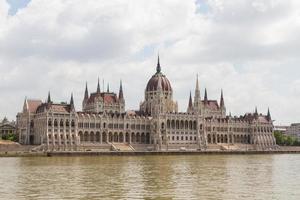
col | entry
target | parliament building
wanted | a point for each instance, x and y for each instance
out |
(105, 125)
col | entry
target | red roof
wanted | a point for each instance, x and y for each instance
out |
(33, 105)
(212, 104)
(108, 97)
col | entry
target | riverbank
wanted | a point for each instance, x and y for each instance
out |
(138, 153)
(17, 150)
(146, 153)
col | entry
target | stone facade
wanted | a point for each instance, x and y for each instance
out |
(157, 125)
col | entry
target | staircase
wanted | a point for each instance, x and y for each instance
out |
(122, 147)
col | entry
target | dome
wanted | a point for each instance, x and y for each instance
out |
(153, 83)
(158, 76)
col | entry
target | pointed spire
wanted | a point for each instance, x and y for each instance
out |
(197, 83)
(197, 91)
(72, 102)
(107, 87)
(25, 105)
(49, 98)
(158, 68)
(222, 104)
(98, 86)
(121, 91)
(205, 97)
(86, 93)
(190, 101)
(269, 115)
(255, 112)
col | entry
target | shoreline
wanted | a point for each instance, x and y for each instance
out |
(139, 153)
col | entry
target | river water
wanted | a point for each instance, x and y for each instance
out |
(152, 177)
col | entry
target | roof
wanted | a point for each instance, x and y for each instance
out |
(33, 105)
(212, 104)
(108, 97)
(152, 84)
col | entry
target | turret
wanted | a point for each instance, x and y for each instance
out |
(86, 92)
(158, 68)
(98, 87)
(49, 98)
(25, 105)
(205, 97)
(222, 104)
(86, 96)
(107, 88)
(255, 112)
(121, 96)
(190, 105)
(197, 98)
(72, 103)
(269, 115)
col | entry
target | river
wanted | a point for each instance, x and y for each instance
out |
(152, 177)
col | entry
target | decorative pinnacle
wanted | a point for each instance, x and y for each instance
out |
(158, 68)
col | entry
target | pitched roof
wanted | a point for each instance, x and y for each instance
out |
(33, 105)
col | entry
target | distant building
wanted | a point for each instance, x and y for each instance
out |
(294, 130)
(7, 128)
(156, 125)
(281, 129)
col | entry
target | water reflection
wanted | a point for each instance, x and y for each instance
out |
(151, 177)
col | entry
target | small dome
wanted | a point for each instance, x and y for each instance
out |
(153, 83)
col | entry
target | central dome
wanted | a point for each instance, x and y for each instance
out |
(158, 76)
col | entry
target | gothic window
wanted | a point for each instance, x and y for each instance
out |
(162, 125)
(55, 123)
(67, 123)
(49, 122)
(61, 123)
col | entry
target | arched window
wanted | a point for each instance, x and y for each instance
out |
(55, 123)
(61, 123)
(49, 122)
(67, 123)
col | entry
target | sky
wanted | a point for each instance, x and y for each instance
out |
(250, 49)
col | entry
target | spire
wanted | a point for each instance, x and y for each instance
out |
(121, 91)
(98, 86)
(49, 98)
(107, 87)
(190, 101)
(255, 112)
(269, 115)
(222, 104)
(158, 68)
(205, 97)
(86, 93)
(197, 83)
(72, 102)
(197, 91)
(25, 105)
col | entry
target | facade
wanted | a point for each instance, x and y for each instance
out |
(7, 128)
(156, 125)
(294, 130)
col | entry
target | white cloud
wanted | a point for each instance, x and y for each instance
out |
(248, 48)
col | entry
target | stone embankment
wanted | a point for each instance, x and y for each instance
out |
(13, 149)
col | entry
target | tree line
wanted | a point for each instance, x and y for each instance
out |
(285, 140)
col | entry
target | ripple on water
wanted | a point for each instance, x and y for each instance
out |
(151, 177)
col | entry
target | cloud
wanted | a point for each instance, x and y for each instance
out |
(248, 48)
